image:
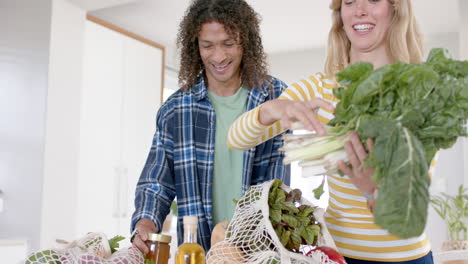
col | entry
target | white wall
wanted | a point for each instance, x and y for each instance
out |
(463, 27)
(97, 4)
(172, 57)
(294, 65)
(448, 40)
(63, 117)
(24, 58)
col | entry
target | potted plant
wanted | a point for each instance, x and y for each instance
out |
(454, 210)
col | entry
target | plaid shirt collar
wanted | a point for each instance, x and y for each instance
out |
(200, 91)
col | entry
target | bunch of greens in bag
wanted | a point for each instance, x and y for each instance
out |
(293, 222)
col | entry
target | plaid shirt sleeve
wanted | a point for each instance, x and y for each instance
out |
(268, 163)
(155, 190)
(276, 167)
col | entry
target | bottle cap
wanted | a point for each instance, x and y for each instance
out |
(159, 237)
(190, 220)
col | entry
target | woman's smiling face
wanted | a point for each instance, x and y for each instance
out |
(366, 23)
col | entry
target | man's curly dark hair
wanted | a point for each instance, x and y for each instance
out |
(238, 18)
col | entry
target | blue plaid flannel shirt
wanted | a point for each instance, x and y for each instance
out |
(180, 162)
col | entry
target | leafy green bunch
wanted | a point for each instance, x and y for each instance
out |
(411, 111)
(454, 210)
(293, 222)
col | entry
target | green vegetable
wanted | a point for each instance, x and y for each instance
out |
(319, 190)
(44, 257)
(294, 223)
(411, 111)
(114, 243)
(174, 208)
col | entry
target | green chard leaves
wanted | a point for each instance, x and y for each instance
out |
(114, 243)
(319, 190)
(293, 222)
(411, 111)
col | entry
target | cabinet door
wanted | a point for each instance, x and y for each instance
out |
(121, 95)
(101, 126)
(142, 93)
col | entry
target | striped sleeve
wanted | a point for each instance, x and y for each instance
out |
(247, 131)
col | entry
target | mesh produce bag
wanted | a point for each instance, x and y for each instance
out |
(91, 249)
(250, 237)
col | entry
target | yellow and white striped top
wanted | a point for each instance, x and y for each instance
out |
(349, 221)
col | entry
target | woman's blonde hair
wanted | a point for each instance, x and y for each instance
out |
(404, 39)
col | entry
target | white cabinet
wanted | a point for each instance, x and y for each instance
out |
(122, 86)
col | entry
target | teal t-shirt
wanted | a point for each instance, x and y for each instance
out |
(228, 163)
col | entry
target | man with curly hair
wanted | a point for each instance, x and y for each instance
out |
(223, 73)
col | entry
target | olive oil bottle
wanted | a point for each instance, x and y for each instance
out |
(190, 252)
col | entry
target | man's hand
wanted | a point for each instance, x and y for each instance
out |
(144, 226)
(294, 111)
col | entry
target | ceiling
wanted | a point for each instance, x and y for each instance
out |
(99, 4)
(286, 25)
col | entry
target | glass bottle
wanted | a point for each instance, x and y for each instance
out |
(190, 252)
(159, 249)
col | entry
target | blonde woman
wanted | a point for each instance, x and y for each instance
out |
(376, 31)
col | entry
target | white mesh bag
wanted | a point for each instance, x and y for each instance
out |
(252, 238)
(91, 249)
